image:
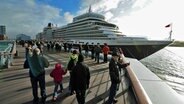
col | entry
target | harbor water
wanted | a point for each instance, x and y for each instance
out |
(168, 64)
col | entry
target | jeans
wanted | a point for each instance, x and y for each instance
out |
(92, 54)
(112, 93)
(80, 94)
(97, 57)
(105, 57)
(86, 53)
(34, 82)
(70, 83)
(56, 88)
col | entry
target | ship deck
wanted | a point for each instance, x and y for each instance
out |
(16, 88)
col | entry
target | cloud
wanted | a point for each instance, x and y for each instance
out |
(134, 17)
(25, 16)
(115, 7)
(113, 10)
(68, 17)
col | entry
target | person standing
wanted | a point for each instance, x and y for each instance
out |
(105, 52)
(57, 74)
(71, 64)
(86, 48)
(115, 76)
(70, 47)
(80, 79)
(80, 48)
(92, 51)
(97, 51)
(48, 46)
(37, 74)
(65, 46)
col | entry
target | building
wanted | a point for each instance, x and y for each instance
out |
(3, 33)
(23, 37)
(2, 30)
(48, 33)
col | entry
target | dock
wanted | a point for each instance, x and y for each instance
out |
(15, 86)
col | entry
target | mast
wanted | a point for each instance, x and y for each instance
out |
(89, 11)
(170, 33)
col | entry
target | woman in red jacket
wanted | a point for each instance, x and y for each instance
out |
(57, 74)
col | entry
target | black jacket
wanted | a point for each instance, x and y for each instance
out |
(80, 77)
(114, 71)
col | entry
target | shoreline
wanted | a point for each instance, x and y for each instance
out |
(177, 44)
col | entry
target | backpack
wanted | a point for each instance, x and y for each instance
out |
(71, 64)
(26, 64)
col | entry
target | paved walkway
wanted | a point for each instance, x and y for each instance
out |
(15, 86)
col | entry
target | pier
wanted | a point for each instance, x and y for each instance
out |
(16, 88)
(139, 85)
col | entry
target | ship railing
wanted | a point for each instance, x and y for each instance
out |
(131, 87)
(6, 56)
(140, 94)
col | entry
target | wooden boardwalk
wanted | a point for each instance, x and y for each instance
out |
(15, 86)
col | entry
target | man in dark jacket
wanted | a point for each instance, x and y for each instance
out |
(115, 76)
(86, 48)
(97, 51)
(80, 79)
(92, 51)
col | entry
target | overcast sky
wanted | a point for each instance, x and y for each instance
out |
(134, 17)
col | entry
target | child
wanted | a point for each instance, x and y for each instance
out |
(57, 74)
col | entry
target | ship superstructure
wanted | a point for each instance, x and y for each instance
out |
(92, 28)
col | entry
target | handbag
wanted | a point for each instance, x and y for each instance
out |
(26, 64)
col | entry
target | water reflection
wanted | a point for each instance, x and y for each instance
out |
(168, 64)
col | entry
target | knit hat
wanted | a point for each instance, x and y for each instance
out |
(74, 52)
(80, 58)
(115, 54)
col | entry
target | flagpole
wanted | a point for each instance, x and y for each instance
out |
(170, 34)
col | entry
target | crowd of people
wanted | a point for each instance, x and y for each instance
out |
(79, 74)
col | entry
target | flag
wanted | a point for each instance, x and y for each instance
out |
(168, 25)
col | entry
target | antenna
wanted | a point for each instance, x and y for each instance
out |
(90, 9)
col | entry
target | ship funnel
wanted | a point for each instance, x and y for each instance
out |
(49, 24)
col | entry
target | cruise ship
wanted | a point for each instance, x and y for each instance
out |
(92, 28)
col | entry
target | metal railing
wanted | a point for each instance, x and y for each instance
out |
(6, 56)
(139, 92)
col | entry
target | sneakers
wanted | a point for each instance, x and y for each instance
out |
(36, 101)
(72, 92)
(60, 91)
(43, 99)
(115, 100)
(54, 98)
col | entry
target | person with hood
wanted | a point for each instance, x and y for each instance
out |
(71, 63)
(37, 73)
(57, 74)
(80, 79)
